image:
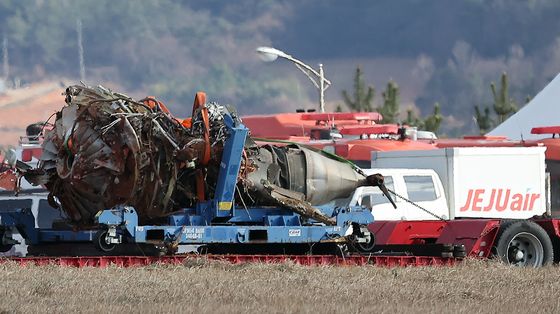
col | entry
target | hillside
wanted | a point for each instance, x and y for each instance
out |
(437, 51)
(31, 104)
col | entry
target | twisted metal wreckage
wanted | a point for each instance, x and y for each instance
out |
(106, 149)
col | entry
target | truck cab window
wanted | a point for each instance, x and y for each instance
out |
(378, 197)
(420, 188)
(366, 201)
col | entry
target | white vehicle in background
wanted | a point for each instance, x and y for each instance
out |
(421, 186)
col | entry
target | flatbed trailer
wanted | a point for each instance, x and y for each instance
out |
(218, 222)
(428, 242)
(401, 242)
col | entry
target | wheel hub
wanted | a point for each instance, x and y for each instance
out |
(525, 249)
(519, 255)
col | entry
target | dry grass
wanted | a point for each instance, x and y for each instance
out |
(475, 286)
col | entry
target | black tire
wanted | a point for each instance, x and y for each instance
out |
(4, 247)
(524, 243)
(447, 254)
(101, 243)
(459, 251)
(362, 247)
(447, 247)
(366, 247)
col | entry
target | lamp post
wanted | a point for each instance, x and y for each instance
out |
(269, 54)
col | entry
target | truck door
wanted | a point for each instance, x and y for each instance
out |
(379, 204)
(422, 191)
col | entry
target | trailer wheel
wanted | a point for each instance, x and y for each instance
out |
(361, 247)
(102, 243)
(361, 232)
(459, 251)
(368, 246)
(524, 243)
(4, 247)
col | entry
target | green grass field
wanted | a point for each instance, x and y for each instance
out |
(218, 287)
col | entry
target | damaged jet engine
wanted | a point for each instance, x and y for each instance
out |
(106, 149)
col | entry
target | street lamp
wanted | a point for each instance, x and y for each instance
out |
(269, 54)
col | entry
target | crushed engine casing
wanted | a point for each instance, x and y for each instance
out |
(106, 149)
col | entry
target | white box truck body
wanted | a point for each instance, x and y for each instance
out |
(482, 182)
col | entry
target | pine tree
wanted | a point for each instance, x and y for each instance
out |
(484, 121)
(430, 123)
(362, 98)
(390, 108)
(433, 122)
(412, 120)
(504, 106)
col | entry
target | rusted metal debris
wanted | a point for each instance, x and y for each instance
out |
(107, 149)
(8, 177)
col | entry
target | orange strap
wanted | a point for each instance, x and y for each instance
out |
(187, 123)
(151, 102)
(200, 190)
(199, 102)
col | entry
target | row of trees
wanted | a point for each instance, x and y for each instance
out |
(363, 100)
(487, 118)
(166, 48)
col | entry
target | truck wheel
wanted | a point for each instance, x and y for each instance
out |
(101, 242)
(524, 243)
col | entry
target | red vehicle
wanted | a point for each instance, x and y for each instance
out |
(352, 135)
(355, 135)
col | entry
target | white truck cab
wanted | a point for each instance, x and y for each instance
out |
(421, 186)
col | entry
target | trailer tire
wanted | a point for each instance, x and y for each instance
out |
(459, 251)
(362, 247)
(361, 231)
(4, 247)
(101, 242)
(524, 243)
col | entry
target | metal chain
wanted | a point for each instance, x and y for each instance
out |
(360, 171)
(415, 205)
